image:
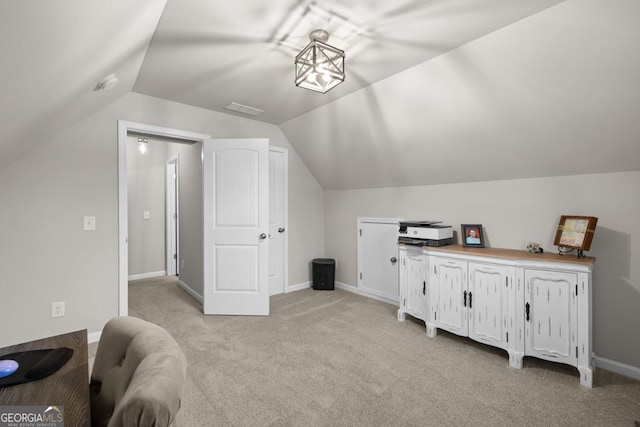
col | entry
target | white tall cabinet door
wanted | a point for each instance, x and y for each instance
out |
(277, 219)
(236, 215)
(487, 301)
(550, 315)
(378, 257)
(450, 277)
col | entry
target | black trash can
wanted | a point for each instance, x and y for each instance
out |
(324, 273)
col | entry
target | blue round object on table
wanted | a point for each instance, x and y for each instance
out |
(8, 367)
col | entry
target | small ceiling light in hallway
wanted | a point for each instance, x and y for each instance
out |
(143, 145)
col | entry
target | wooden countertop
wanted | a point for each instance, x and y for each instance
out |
(513, 254)
(69, 386)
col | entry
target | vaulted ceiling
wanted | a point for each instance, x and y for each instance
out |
(437, 91)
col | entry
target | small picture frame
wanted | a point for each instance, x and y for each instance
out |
(471, 235)
(575, 232)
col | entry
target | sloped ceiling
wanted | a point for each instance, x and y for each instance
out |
(555, 94)
(437, 91)
(211, 52)
(53, 53)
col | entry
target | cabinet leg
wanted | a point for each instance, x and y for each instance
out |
(401, 316)
(586, 376)
(515, 359)
(432, 331)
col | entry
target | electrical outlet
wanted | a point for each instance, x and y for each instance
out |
(57, 309)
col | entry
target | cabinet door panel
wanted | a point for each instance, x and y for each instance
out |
(488, 305)
(451, 276)
(551, 323)
(416, 286)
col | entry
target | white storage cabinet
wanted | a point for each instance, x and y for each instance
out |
(535, 305)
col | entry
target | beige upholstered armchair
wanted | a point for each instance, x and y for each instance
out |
(138, 375)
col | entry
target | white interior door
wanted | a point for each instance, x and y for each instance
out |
(378, 257)
(171, 217)
(236, 214)
(277, 219)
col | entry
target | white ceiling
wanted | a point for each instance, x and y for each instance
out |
(436, 91)
(209, 53)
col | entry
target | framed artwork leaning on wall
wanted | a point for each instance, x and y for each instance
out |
(575, 232)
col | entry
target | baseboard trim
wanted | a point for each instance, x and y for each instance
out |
(94, 337)
(343, 286)
(355, 290)
(297, 287)
(147, 275)
(191, 292)
(617, 367)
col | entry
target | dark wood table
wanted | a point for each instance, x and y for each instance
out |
(68, 387)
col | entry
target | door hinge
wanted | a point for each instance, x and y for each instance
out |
(175, 216)
(175, 256)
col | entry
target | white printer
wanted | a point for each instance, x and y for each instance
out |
(425, 233)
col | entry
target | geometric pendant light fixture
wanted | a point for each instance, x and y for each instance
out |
(319, 66)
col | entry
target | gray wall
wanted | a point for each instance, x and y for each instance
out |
(146, 192)
(190, 207)
(513, 213)
(44, 254)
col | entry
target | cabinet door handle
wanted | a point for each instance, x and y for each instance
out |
(464, 300)
(424, 288)
(470, 300)
(526, 311)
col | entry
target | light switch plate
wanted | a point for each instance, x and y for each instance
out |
(89, 223)
(146, 215)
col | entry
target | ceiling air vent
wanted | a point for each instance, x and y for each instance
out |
(244, 109)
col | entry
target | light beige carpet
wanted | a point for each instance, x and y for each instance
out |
(333, 358)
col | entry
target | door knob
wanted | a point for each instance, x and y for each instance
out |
(281, 230)
(263, 236)
(393, 260)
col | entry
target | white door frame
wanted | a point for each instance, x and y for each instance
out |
(123, 251)
(172, 225)
(360, 250)
(285, 190)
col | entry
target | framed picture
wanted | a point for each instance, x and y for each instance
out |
(471, 235)
(575, 232)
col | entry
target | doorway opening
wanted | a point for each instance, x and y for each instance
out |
(125, 130)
